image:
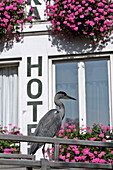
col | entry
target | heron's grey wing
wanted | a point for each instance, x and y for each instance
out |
(48, 126)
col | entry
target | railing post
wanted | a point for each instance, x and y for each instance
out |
(45, 164)
(56, 152)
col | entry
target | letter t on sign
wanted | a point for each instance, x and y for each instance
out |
(39, 66)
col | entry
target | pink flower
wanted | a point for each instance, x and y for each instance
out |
(91, 155)
(89, 131)
(92, 23)
(80, 10)
(61, 131)
(65, 137)
(89, 8)
(77, 152)
(6, 150)
(15, 8)
(59, 28)
(58, 23)
(32, 10)
(15, 127)
(60, 135)
(95, 160)
(95, 152)
(65, 22)
(83, 2)
(10, 123)
(68, 155)
(101, 135)
(101, 154)
(101, 29)
(1, 8)
(21, 27)
(79, 23)
(76, 13)
(100, 10)
(100, 4)
(102, 161)
(66, 124)
(29, 18)
(66, 160)
(86, 151)
(83, 157)
(65, 6)
(49, 14)
(5, 127)
(72, 160)
(92, 33)
(7, 16)
(76, 28)
(62, 150)
(9, 132)
(81, 16)
(84, 32)
(62, 157)
(12, 149)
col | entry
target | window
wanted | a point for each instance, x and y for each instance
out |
(89, 82)
(8, 95)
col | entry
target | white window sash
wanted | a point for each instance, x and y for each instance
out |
(82, 95)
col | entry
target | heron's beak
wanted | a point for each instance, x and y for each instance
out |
(68, 97)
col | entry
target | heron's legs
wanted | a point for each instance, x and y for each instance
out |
(43, 151)
(48, 151)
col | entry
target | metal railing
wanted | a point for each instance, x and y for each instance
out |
(29, 162)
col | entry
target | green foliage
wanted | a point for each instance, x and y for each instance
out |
(10, 146)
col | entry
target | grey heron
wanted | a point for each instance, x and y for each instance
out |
(51, 122)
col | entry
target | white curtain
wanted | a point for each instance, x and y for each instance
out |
(9, 96)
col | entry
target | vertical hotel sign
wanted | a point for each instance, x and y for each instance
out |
(36, 96)
(39, 6)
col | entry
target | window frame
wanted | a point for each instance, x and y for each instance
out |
(81, 80)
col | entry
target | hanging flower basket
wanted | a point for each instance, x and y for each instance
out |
(12, 18)
(91, 18)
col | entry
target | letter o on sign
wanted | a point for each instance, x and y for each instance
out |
(39, 92)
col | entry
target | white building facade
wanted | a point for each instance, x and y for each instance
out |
(41, 64)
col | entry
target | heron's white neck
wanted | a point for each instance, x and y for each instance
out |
(61, 107)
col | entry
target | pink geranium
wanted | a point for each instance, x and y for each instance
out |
(12, 17)
(93, 18)
(101, 135)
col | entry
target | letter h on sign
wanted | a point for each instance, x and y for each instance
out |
(39, 90)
